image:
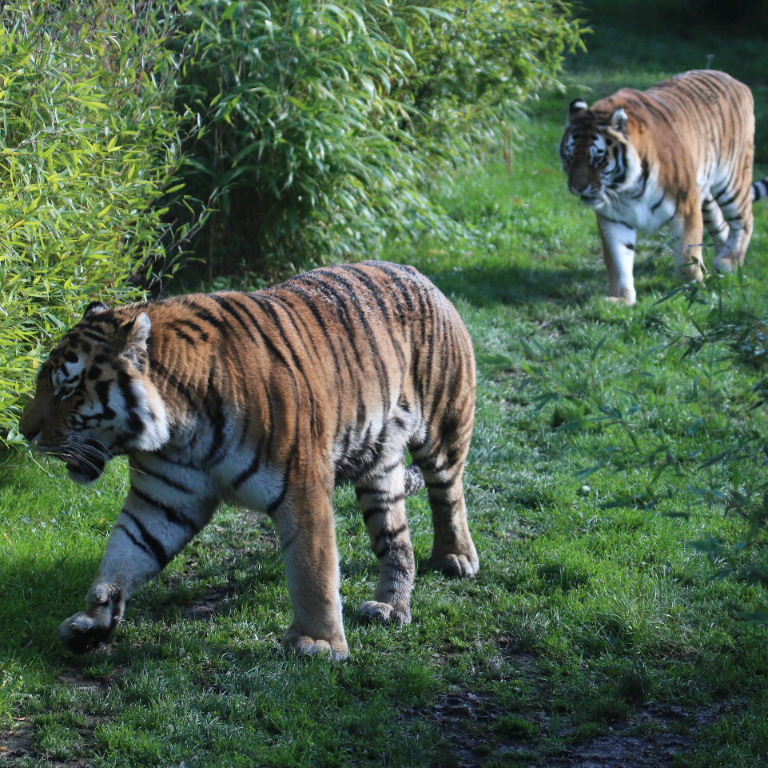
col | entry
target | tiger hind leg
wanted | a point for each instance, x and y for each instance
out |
(442, 463)
(737, 214)
(381, 497)
(714, 221)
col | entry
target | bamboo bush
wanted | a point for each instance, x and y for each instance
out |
(320, 129)
(87, 145)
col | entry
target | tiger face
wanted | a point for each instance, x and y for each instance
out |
(93, 399)
(597, 154)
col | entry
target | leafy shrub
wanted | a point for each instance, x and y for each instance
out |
(87, 144)
(318, 128)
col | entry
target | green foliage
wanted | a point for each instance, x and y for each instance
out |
(87, 144)
(318, 128)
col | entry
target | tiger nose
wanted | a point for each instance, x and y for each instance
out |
(578, 184)
(30, 433)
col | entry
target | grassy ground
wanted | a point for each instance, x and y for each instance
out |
(597, 631)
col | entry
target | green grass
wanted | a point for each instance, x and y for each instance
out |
(594, 619)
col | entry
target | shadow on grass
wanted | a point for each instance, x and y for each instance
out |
(483, 285)
(37, 597)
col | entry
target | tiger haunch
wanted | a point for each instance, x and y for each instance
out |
(679, 154)
(268, 400)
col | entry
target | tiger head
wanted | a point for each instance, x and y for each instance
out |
(597, 153)
(94, 399)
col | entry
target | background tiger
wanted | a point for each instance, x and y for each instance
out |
(679, 153)
(268, 399)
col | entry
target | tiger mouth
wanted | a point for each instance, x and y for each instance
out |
(88, 465)
(85, 471)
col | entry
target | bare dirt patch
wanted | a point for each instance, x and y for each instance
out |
(650, 739)
(477, 734)
(16, 743)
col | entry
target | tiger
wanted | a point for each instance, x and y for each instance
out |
(677, 154)
(760, 189)
(269, 400)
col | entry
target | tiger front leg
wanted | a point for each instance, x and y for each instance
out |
(305, 525)
(147, 535)
(688, 227)
(619, 241)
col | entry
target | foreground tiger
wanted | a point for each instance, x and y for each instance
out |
(679, 153)
(268, 400)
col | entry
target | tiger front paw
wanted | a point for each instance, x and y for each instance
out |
(693, 271)
(88, 629)
(384, 613)
(620, 300)
(83, 632)
(303, 645)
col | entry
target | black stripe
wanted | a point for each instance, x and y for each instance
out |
(309, 301)
(266, 306)
(213, 403)
(171, 514)
(174, 382)
(102, 391)
(370, 284)
(655, 206)
(272, 508)
(95, 336)
(723, 203)
(378, 509)
(257, 330)
(161, 477)
(204, 314)
(339, 302)
(442, 485)
(193, 326)
(387, 538)
(392, 270)
(378, 359)
(126, 390)
(154, 544)
(183, 335)
(140, 544)
(253, 468)
(225, 303)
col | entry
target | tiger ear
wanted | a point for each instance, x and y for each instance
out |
(95, 308)
(576, 106)
(619, 120)
(133, 337)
